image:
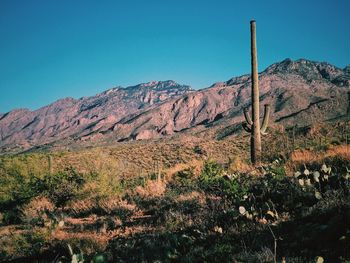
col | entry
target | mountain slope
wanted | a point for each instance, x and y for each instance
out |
(300, 92)
(75, 118)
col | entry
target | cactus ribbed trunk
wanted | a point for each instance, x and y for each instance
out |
(255, 138)
(253, 126)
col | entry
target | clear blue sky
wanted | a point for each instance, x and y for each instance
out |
(51, 49)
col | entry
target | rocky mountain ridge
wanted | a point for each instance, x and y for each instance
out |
(70, 117)
(300, 91)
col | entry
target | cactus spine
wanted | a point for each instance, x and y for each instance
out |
(253, 126)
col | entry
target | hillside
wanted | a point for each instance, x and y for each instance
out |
(300, 92)
(181, 201)
(76, 118)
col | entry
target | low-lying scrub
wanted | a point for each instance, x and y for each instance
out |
(277, 211)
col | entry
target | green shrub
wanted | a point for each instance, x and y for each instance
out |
(185, 177)
(213, 179)
(278, 172)
(60, 187)
(211, 169)
(25, 244)
(15, 189)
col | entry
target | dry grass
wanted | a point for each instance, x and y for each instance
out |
(36, 208)
(152, 188)
(98, 241)
(113, 203)
(81, 206)
(199, 197)
(304, 156)
(195, 164)
(107, 205)
(126, 160)
(237, 164)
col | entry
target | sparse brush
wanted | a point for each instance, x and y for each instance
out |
(38, 210)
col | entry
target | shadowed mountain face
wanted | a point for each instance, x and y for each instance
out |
(299, 91)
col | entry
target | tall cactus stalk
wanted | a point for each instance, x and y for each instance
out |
(253, 126)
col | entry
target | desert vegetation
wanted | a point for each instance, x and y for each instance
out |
(160, 172)
(184, 199)
(197, 201)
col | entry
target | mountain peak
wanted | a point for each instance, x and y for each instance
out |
(310, 70)
(161, 86)
(150, 83)
(289, 66)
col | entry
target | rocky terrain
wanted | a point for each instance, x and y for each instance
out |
(300, 92)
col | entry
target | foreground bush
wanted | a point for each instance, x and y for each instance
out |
(60, 187)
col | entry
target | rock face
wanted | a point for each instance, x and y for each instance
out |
(299, 91)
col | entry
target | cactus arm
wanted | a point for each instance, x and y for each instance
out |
(265, 122)
(247, 117)
(247, 127)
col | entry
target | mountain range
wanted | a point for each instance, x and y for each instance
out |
(300, 92)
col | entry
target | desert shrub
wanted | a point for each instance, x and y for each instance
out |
(210, 177)
(85, 248)
(60, 187)
(132, 183)
(211, 169)
(152, 188)
(116, 206)
(198, 150)
(183, 182)
(185, 174)
(102, 185)
(277, 170)
(15, 189)
(18, 190)
(185, 177)
(213, 179)
(81, 207)
(23, 244)
(191, 245)
(151, 248)
(37, 210)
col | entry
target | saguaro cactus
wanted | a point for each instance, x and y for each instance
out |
(253, 127)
